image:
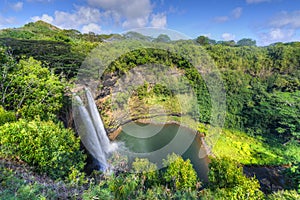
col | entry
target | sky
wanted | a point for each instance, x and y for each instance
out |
(266, 21)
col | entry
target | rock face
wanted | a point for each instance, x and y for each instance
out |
(270, 178)
(137, 108)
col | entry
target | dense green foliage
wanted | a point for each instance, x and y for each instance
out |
(47, 146)
(60, 50)
(262, 85)
(59, 57)
(258, 150)
(262, 97)
(180, 173)
(144, 181)
(29, 89)
(6, 116)
(294, 174)
(284, 195)
(228, 181)
(13, 187)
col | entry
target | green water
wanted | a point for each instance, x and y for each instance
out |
(155, 142)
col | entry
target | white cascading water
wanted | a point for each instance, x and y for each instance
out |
(91, 129)
(97, 121)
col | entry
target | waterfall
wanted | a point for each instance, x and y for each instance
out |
(91, 129)
(97, 121)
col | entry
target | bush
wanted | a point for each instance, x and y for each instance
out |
(14, 187)
(6, 116)
(224, 173)
(29, 89)
(179, 173)
(284, 195)
(293, 174)
(228, 182)
(49, 147)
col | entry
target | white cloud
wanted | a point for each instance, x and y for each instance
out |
(17, 6)
(276, 35)
(221, 19)
(131, 13)
(82, 16)
(228, 36)
(209, 35)
(92, 27)
(256, 1)
(237, 12)
(44, 17)
(121, 13)
(286, 19)
(159, 20)
(6, 21)
(280, 28)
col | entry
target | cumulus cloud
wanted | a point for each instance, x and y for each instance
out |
(82, 16)
(132, 13)
(6, 21)
(17, 6)
(256, 1)
(286, 19)
(280, 28)
(228, 36)
(159, 20)
(120, 13)
(44, 17)
(136, 22)
(92, 27)
(276, 35)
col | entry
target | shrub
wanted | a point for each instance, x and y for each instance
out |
(228, 182)
(14, 187)
(29, 89)
(293, 174)
(6, 116)
(284, 195)
(179, 173)
(146, 171)
(224, 173)
(49, 147)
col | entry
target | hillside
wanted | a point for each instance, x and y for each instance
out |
(261, 132)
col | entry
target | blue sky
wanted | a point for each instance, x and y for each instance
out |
(266, 21)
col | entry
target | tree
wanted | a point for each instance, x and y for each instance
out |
(224, 173)
(246, 42)
(162, 38)
(29, 89)
(203, 40)
(228, 182)
(146, 171)
(180, 173)
(47, 146)
(227, 43)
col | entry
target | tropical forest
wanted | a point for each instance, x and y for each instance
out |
(137, 116)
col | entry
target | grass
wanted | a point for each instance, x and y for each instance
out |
(246, 149)
(18, 181)
(255, 150)
(13, 187)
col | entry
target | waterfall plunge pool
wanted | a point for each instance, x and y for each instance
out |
(156, 141)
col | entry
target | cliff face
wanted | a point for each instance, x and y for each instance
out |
(120, 103)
